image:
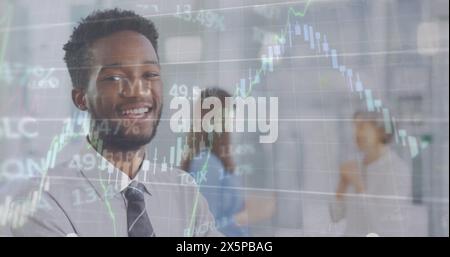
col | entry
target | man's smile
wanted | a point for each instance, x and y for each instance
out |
(135, 110)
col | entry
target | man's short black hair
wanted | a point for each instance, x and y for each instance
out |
(97, 25)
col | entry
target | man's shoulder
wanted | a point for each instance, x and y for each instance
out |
(65, 175)
(57, 183)
(67, 168)
(62, 171)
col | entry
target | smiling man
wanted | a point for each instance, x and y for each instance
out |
(109, 188)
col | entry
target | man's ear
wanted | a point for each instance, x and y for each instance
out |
(79, 98)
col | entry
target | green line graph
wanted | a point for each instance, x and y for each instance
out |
(7, 18)
(197, 195)
(280, 39)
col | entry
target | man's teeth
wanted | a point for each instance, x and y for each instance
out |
(135, 111)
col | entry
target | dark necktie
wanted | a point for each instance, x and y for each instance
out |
(137, 219)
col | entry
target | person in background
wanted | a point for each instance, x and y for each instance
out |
(209, 161)
(374, 190)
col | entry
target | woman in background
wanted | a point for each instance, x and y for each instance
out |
(373, 193)
(209, 161)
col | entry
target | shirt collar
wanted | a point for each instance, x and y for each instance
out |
(107, 179)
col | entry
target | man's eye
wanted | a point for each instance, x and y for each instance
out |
(151, 75)
(113, 78)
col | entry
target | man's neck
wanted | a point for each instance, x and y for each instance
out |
(127, 161)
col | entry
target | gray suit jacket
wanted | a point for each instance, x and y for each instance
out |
(76, 199)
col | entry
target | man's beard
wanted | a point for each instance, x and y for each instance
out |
(117, 137)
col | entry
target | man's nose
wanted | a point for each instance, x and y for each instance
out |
(136, 88)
